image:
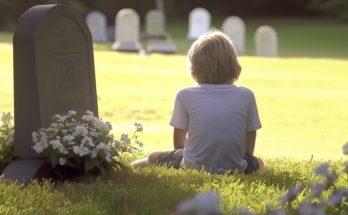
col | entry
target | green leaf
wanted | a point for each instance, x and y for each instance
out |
(90, 164)
(54, 158)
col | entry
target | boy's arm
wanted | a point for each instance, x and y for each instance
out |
(250, 142)
(179, 138)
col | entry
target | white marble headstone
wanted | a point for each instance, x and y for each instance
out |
(234, 28)
(127, 31)
(155, 24)
(266, 41)
(199, 23)
(96, 22)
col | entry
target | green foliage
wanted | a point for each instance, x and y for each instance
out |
(157, 190)
(336, 8)
(6, 139)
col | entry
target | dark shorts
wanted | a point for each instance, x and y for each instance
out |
(174, 158)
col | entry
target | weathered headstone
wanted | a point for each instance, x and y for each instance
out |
(266, 42)
(53, 73)
(96, 22)
(127, 31)
(234, 28)
(199, 23)
(155, 24)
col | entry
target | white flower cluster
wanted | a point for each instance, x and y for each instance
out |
(68, 137)
(6, 129)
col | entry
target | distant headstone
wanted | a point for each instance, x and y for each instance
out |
(127, 31)
(155, 24)
(266, 42)
(199, 23)
(53, 73)
(234, 28)
(96, 22)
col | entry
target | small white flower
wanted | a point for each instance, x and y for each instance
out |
(101, 146)
(345, 149)
(291, 194)
(93, 153)
(124, 138)
(80, 151)
(316, 189)
(6, 117)
(339, 196)
(71, 113)
(10, 140)
(205, 203)
(38, 148)
(35, 137)
(68, 138)
(88, 112)
(322, 170)
(139, 127)
(56, 144)
(307, 208)
(80, 130)
(62, 161)
(108, 158)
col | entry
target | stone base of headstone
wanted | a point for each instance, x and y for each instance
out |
(154, 37)
(161, 47)
(126, 47)
(23, 171)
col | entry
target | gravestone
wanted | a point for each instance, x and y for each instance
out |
(53, 73)
(266, 42)
(234, 28)
(127, 31)
(155, 25)
(96, 22)
(199, 23)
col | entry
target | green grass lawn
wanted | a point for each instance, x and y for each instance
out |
(302, 102)
(303, 108)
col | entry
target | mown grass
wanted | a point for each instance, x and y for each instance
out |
(302, 103)
(157, 191)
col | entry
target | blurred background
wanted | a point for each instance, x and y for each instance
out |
(11, 10)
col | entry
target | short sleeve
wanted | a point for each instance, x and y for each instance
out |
(253, 122)
(180, 115)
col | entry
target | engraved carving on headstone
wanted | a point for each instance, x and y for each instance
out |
(234, 28)
(199, 23)
(266, 42)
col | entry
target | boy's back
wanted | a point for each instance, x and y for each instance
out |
(217, 118)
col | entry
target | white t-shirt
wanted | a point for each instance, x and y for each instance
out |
(217, 118)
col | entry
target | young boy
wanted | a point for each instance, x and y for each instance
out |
(214, 123)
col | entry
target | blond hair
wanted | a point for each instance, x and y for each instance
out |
(213, 59)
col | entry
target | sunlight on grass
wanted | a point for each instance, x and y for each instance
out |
(302, 102)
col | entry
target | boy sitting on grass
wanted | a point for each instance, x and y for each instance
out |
(214, 123)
